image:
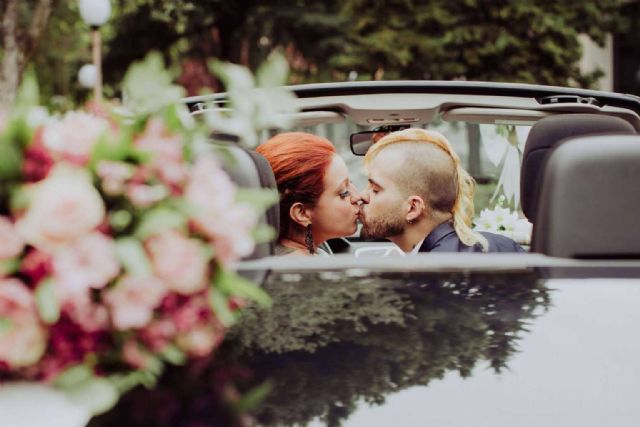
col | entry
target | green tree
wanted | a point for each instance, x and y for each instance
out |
(22, 26)
(532, 41)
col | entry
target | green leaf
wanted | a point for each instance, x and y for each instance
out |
(252, 399)
(96, 394)
(173, 355)
(219, 305)
(234, 77)
(9, 266)
(232, 283)
(148, 85)
(158, 221)
(120, 219)
(5, 324)
(73, 376)
(259, 199)
(10, 159)
(263, 233)
(133, 257)
(273, 72)
(19, 199)
(114, 150)
(47, 302)
(29, 93)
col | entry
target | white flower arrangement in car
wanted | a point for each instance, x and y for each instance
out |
(502, 220)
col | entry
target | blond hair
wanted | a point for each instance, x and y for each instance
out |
(462, 207)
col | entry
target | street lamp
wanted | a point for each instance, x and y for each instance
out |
(87, 76)
(95, 13)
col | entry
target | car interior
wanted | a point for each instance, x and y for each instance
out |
(579, 153)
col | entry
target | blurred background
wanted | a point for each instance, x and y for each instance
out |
(571, 42)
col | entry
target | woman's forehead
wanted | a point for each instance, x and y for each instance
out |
(336, 173)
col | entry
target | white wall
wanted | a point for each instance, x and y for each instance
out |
(594, 57)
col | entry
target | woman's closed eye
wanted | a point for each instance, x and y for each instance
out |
(346, 193)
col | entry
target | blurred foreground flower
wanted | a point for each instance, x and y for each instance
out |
(119, 237)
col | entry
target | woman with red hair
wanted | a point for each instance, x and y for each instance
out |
(317, 200)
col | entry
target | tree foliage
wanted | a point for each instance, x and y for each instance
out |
(532, 41)
(22, 23)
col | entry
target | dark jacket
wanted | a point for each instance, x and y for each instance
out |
(443, 238)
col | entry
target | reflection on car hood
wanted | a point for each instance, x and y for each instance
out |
(466, 347)
(459, 349)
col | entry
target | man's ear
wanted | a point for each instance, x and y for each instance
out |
(417, 208)
(300, 214)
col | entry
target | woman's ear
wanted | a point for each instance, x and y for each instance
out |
(300, 214)
(417, 208)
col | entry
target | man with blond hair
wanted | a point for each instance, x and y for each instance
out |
(421, 198)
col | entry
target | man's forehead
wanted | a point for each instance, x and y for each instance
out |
(386, 161)
(381, 171)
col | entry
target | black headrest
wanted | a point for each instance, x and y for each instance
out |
(248, 169)
(589, 203)
(268, 180)
(545, 134)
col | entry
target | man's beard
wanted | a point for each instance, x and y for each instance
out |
(382, 227)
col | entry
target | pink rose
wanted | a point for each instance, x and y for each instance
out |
(73, 137)
(201, 340)
(158, 334)
(142, 195)
(167, 150)
(135, 355)
(114, 175)
(180, 262)
(209, 187)
(64, 206)
(12, 244)
(229, 231)
(226, 223)
(88, 315)
(23, 339)
(36, 265)
(38, 161)
(89, 262)
(132, 301)
(158, 141)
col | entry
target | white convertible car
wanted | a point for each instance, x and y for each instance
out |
(534, 339)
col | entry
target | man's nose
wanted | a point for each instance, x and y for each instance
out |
(356, 197)
(364, 197)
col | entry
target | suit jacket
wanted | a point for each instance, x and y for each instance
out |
(443, 238)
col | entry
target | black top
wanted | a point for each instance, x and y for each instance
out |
(443, 238)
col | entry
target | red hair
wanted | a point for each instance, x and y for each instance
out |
(299, 161)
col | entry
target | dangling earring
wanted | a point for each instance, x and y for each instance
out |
(308, 240)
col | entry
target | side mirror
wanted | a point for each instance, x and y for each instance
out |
(362, 141)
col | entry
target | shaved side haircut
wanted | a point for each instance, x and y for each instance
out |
(432, 170)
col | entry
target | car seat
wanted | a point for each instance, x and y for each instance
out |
(589, 204)
(546, 134)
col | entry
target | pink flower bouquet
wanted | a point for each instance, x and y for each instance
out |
(117, 243)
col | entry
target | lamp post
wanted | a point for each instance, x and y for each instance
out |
(87, 76)
(95, 13)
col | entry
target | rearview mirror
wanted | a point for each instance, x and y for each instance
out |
(362, 141)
